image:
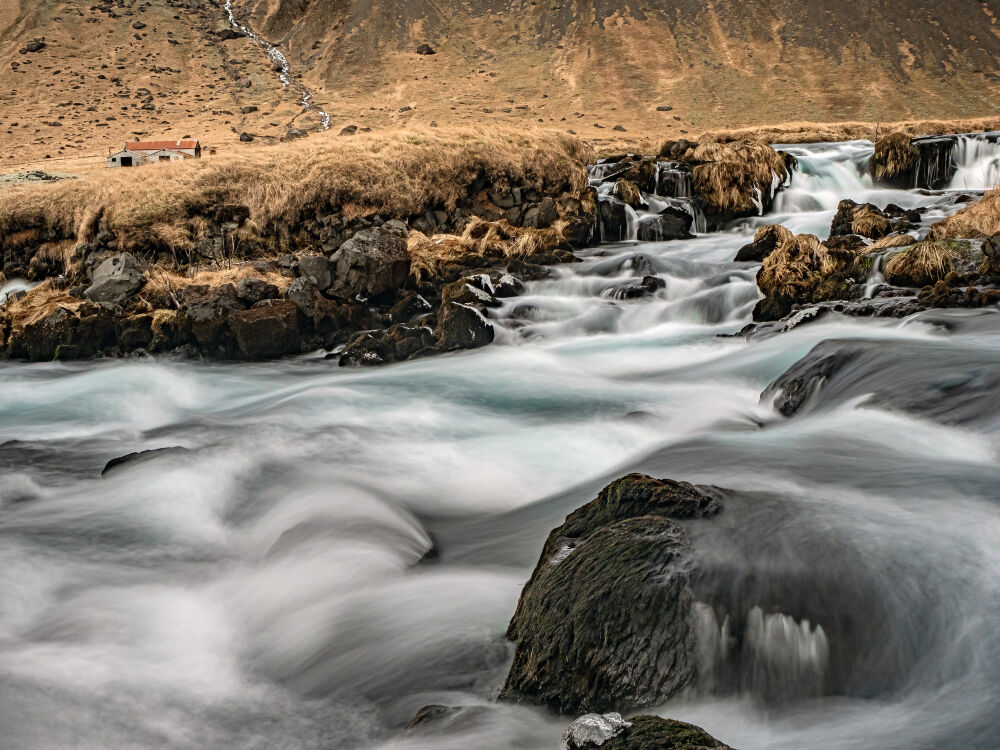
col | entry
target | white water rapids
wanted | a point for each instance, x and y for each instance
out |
(267, 590)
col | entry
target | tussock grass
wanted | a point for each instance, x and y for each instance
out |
(160, 281)
(979, 219)
(485, 240)
(627, 192)
(37, 304)
(728, 175)
(794, 266)
(396, 174)
(894, 155)
(868, 223)
(925, 263)
(777, 231)
(891, 241)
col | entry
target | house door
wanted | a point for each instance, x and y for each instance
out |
(126, 161)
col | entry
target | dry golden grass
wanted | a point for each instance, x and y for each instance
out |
(868, 223)
(37, 304)
(894, 155)
(891, 241)
(796, 261)
(486, 240)
(729, 175)
(397, 174)
(627, 192)
(979, 219)
(779, 232)
(920, 265)
(160, 281)
(818, 132)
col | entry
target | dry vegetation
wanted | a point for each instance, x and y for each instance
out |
(980, 219)
(868, 223)
(920, 265)
(819, 132)
(396, 174)
(894, 156)
(795, 265)
(891, 241)
(728, 175)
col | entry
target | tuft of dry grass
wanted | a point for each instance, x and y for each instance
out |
(730, 176)
(924, 263)
(37, 304)
(891, 241)
(483, 240)
(396, 174)
(795, 265)
(627, 192)
(894, 156)
(868, 223)
(776, 231)
(979, 219)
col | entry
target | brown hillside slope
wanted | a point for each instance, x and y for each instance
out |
(721, 63)
(571, 64)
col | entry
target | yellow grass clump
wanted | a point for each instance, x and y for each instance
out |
(979, 219)
(396, 174)
(627, 192)
(925, 263)
(891, 241)
(729, 175)
(894, 155)
(778, 232)
(796, 265)
(37, 304)
(869, 223)
(483, 240)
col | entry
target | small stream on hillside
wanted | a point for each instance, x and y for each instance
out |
(267, 589)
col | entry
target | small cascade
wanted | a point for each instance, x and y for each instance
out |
(771, 656)
(977, 162)
(280, 62)
(672, 181)
(935, 164)
(875, 277)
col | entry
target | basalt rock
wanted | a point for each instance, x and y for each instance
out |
(462, 327)
(765, 241)
(655, 733)
(78, 332)
(397, 343)
(868, 220)
(271, 328)
(670, 224)
(605, 621)
(614, 220)
(373, 261)
(115, 279)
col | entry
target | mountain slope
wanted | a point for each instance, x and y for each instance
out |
(585, 65)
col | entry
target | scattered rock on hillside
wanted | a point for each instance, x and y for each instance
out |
(246, 137)
(664, 108)
(426, 49)
(115, 279)
(604, 621)
(348, 130)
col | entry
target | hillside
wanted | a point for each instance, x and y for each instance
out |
(581, 65)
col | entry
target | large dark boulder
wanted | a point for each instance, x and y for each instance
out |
(765, 242)
(462, 327)
(373, 261)
(206, 312)
(270, 329)
(614, 218)
(605, 621)
(77, 332)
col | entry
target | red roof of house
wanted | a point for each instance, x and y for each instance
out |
(157, 145)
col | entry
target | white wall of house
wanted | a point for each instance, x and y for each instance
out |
(126, 159)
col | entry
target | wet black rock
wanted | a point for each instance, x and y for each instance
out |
(141, 456)
(670, 224)
(271, 328)
(604, 621)
(463, 327)
(614, 220)
(635, 290)
(655, 733)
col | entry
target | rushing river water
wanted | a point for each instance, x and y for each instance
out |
(273, 588)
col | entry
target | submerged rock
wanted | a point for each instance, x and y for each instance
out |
(140, 456)
(654, 733)
(605, 621)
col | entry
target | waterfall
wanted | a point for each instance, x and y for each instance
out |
(773, 656)
(977, 162)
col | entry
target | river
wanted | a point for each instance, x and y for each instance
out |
(274, 587)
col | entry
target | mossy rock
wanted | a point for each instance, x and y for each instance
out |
(604, 623)
(654, 733)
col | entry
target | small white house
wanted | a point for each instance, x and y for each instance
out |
(149, 152)
(126, 158)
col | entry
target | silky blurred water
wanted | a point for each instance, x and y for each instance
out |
(340, 547)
